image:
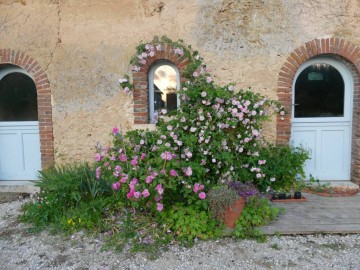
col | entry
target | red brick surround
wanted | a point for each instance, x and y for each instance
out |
(141, 81)
(349, 54)
(42, 84)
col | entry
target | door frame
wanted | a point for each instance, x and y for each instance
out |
(342, 50)
(323, 123)
(16, 58)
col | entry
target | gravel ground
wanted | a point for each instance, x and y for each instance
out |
(22, 250)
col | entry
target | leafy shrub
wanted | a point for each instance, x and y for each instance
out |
(65, 191)
(284, 166)
(188, 223)
(258, 211)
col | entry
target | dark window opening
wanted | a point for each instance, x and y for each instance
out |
(319, 92)
(18, 98)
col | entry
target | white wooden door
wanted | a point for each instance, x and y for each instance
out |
(20, 157)
(19, 150)
(321, 117)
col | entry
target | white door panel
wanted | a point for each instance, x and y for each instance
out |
(20, 157)
(329, 150)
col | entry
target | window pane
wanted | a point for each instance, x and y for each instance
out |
(18, 100)
(165, 85)
(319, 92)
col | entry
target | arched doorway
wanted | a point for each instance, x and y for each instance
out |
(20, 157)
(322, 117)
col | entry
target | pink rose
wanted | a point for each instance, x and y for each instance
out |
(202, 195)
(116, 186)
(115, 130)
(146, 193)
(159, 207)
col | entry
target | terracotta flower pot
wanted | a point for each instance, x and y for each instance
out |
(233, 212)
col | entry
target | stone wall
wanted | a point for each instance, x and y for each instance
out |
(85, 46)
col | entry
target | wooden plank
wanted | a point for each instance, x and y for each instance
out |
(318, 215)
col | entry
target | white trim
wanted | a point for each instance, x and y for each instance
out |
(13, 69)
(151, 85)
(19, 123)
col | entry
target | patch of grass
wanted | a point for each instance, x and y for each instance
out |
(275, 246)
(333, 246)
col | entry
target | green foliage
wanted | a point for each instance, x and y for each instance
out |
(257, 212)
(284, 167)
(141, 231)
(188, 223)
(70, 197)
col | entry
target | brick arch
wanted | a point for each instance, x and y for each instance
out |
(344, 50)
(141, 80)
(43, 90)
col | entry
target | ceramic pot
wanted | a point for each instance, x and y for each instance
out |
(233, 212)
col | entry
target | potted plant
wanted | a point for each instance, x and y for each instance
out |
(227, 201)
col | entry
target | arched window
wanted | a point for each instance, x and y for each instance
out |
(18, 97)
(319, 92)
(164, 83)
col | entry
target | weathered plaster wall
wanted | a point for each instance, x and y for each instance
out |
(85, 46)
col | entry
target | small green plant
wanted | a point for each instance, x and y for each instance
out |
(257, 212)
(275, 246)
(315, 185)
(188, 223)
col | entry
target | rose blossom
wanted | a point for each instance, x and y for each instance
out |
(159, 207)
(202, 195)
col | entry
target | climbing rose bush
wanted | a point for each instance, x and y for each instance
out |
(214, 137)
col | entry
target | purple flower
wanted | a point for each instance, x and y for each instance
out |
(208, 79)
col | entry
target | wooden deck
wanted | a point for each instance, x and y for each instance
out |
(318, 215)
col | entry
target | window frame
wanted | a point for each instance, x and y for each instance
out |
(153, 68)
